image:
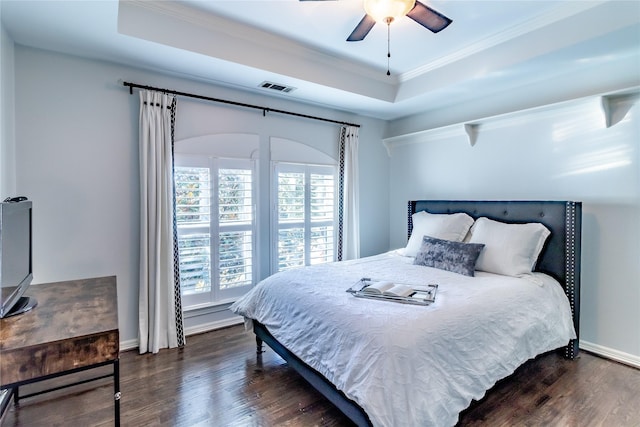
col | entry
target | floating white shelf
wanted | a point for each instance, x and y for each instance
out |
(614, 106)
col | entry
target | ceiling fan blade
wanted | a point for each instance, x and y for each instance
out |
(362, 29)
(428, 18)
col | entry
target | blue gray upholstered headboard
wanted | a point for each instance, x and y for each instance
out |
(560, 258)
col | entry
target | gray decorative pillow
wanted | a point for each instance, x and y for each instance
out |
(457, 257)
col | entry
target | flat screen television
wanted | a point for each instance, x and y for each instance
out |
(16, 267)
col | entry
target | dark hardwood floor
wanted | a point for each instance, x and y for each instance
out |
(217, 381)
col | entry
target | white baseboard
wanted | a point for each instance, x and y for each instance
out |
(609, 353)
(133, 344)
(206, 327)
(128, 345)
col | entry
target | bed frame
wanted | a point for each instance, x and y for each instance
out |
(560, 258)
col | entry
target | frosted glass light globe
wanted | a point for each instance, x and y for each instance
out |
(380, 10)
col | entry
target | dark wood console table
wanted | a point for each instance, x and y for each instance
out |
(73, 328)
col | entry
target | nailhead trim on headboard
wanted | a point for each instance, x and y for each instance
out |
(570, 268)
(410, 209)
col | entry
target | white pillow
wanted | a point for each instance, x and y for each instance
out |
(509, 249)
(452, 227)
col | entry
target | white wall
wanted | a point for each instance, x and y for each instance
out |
(562, 152)
(7, 137)
(77, 159)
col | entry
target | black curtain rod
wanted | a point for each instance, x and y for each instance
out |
(240, 104)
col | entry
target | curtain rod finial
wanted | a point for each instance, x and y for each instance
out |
(123, 83)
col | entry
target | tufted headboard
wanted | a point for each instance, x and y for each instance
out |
(560, 257)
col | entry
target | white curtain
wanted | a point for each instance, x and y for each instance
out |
(160, 308)
(350, 229)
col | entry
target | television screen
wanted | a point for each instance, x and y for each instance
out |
(15, 256)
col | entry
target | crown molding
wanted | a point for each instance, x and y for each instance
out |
(563, 11)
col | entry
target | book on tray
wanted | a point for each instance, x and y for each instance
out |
(387, 288)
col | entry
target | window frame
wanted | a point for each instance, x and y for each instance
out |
(308, 169)
(216, 295)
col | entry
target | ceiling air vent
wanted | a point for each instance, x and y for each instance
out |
(277, 87)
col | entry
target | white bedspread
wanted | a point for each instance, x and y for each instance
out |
(409, 365)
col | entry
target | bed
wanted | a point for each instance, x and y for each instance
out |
(389, 364)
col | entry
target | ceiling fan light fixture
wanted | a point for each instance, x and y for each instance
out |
(382, 10)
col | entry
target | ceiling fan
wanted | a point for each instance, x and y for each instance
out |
(389, 10)
(386, 11)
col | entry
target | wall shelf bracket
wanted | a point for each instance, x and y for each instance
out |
(472, 132)
(616, 107)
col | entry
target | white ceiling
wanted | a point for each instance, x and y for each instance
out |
(491, 46)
